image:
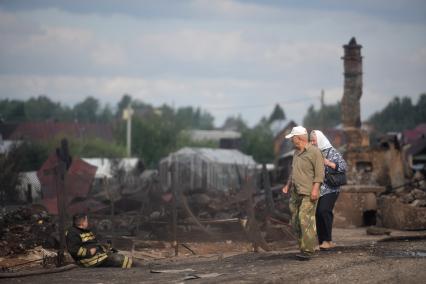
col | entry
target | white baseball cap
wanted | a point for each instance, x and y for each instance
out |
(297, 130)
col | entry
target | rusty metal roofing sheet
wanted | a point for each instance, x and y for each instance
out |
(78, 181)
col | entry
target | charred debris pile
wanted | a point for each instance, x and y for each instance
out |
(25, 228)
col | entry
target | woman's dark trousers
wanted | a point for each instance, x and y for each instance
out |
(324, 216)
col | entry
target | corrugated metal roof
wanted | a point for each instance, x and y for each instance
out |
(77, 183)
(104, 165)
(222, 156)
(214, 135)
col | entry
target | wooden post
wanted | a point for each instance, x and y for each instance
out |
(174, 205)
(253, 231)
(111, 207)
(64, 162)
(268, 192)
(29, 193)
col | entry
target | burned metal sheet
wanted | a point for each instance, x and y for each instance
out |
(77, 182)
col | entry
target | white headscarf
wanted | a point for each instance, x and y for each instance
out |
(322, 141)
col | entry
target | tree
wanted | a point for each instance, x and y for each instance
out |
(125, 101)
(235, 123)
(87, 110)
(12, 111)
(42, 108)
(420, 115)
(83, 148)
(327, 116)
(258, 142)
(184, 140)
(10, 164)
(106, 114)
(277, 114)
(190, 118)
(153, 138)
(33, 155)
(400, 114)
(204, 121)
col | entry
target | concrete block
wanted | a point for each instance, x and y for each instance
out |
(397, 215)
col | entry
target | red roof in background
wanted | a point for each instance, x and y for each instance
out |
(412, 135)
(78, 181)
(421, 127)
(49, 130)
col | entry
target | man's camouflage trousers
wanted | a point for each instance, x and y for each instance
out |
(303, 220)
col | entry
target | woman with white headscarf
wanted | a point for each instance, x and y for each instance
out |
(333, 161)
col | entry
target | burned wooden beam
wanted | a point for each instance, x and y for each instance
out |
(64, 162)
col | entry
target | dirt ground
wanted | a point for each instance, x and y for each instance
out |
(358, 258)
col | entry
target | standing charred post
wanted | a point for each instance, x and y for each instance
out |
(64, 163)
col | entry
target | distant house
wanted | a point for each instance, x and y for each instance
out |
(411, 136)
(282, 145)
(277, 126)
(43, 131)
(205, 169)
(416, 154)
(227, 139)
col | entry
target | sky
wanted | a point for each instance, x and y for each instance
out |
(229, 57)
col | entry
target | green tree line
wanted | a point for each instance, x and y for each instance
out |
(156, 131)
(399, 114)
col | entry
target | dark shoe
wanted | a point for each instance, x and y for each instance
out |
(303, 256)
(137, 263)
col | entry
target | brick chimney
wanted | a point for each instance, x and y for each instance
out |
(350, 106)
(352, 62)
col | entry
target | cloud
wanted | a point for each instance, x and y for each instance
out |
(195, 9)
(11, 25)
(290, 54)
(109, 54)
(418, 57)
(227, 56)
(193, 45)
(391, 11)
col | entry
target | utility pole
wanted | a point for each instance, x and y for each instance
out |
(127, 115)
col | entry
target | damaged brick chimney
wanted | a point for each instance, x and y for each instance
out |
(357, 203)
(351, 109)
(352, 60)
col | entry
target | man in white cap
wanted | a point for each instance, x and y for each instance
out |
(304, 184)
